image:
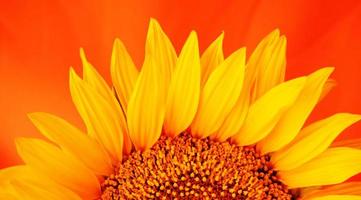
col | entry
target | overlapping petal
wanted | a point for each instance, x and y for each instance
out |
(264, 114)
(45, 191)
(312, 141)
(337, 197)
(123, 72)
(59, 165)
(347, 188)
(219, 95)
(234, 121)
(96, 81)
(146, 108)
(354, 143)
(7, 191)
(271, 62)
(211, 58)
(333, 166)
(184, 90)
(292, 121)
(22, 182)
(72, 139)
(101, 118)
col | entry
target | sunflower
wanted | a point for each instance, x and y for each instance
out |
(193, 127)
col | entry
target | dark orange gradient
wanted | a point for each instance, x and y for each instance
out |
(40, 40)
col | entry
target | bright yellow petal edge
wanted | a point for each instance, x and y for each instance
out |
(190, 126)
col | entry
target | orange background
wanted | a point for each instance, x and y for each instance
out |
(40, 39)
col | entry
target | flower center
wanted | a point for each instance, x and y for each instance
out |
(185, 167)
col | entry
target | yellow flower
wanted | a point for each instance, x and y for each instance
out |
(190, 126)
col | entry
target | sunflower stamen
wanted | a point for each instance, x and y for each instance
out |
(185, 167)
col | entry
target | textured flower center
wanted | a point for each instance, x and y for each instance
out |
(185, 167)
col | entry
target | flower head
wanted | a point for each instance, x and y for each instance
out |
(190, 126)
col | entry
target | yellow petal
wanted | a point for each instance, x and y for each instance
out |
(354, 143)
(219, 95)
(267, 110)
(333, 166)
(72, 139)
(347, 188)
(93, 78)
(161, 49)
(19, 171)
(8, 196)
(336, 197)
(291, 123)
(7, 192)
(146, 107)
(234, 121)
(329, 85)
(312, 141)
(211, 58)
(272, 65)
(46, 191)
(22, 173)
(124, 73)
(102, 120)
(184, 89)
(58, 165)
(95, 81)
(21, 182)
(259, 57)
